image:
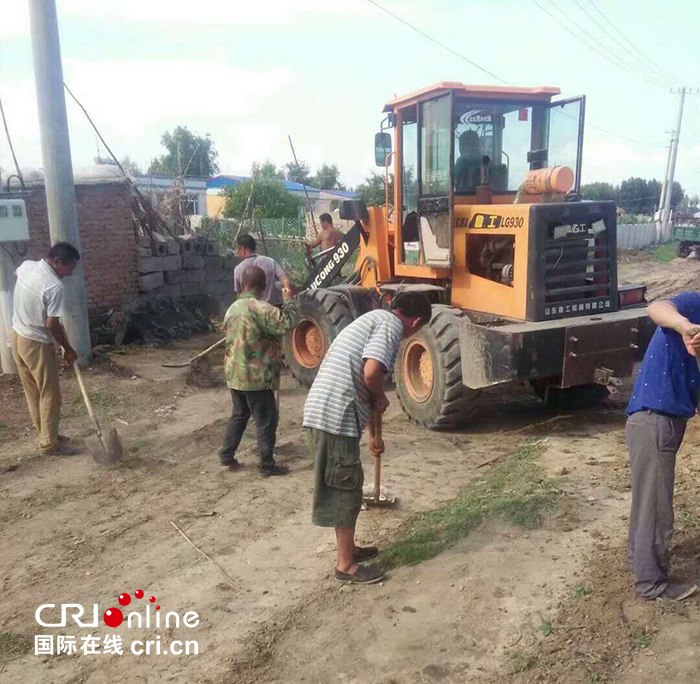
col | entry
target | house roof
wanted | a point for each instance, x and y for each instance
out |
(224, 181)
(541, 93)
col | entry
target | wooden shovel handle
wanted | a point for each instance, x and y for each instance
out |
(86, 398)
(377, 429)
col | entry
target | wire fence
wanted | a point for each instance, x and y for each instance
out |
(281, 239)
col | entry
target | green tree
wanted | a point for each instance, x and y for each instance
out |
(130, 166)
(266, 170)
(300, 173)
(599, 191)
(327, 178)
(373, 190)
(634, 195)
(269, 199)
(188, 154)
(677, 194)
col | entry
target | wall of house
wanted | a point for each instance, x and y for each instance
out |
(108, 245)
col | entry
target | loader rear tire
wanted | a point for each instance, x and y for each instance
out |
(323, 315)
(428, 374)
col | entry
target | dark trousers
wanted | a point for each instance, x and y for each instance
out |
(261, 405)
(653, 441)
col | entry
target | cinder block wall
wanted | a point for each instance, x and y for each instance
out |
(107, 240)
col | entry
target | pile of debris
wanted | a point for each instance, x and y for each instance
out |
(153, 319)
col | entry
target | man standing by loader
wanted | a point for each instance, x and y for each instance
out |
(274, 275)
(254, 330)
(329, 236)
(665, 396)
(36, 323)
(349, 387)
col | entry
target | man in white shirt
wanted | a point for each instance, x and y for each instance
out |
(36, 323)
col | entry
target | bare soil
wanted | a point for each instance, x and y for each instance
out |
(553, 604)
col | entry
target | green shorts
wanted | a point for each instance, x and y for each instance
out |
(338, 479)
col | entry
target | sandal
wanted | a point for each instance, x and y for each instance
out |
(363, 575)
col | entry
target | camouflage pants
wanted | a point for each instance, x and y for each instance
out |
(338, 479)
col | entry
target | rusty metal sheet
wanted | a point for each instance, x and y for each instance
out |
(610, 345)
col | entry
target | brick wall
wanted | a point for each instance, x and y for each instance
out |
(107, 241)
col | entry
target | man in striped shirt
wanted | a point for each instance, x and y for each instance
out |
(349, 387)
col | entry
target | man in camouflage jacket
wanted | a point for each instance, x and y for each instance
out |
(254, 331)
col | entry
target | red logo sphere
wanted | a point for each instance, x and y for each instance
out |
(138, 593)
(124, 599)
(113, 617)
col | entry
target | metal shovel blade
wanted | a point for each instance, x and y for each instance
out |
(106, 452)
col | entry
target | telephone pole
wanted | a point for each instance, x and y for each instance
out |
(58, 168)
(667, 190)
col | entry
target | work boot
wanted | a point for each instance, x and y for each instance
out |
(229, 462)
(274, 469)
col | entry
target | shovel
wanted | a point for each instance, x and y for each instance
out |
(377, 496)
(104, 452)
(194, 358)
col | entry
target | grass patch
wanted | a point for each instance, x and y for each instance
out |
(519, 661)
(665, 252)
(580, 591)
(517, 490)
(3, 427)
(642, 638)
(545, 628)
(13, 645)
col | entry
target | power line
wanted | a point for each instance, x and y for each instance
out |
(655, 73)
(608, 57)
(631, 44)
(9, 142)
(437, 42)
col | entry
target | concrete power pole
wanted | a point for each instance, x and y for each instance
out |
(666, 216)
(58, 168)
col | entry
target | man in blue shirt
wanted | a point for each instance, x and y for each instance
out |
(665, 396)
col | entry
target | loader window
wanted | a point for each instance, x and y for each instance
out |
(505, 132)
(435, 132)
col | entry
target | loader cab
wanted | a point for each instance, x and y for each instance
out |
(459, 144)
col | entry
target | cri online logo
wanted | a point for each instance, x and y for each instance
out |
(113, 617)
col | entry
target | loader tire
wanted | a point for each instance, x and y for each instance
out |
(428, 374)
(323, 315)
(684, 249)
(570, 398)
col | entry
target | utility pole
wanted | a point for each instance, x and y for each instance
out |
(58, 168)
(662, 199)
(666, 211)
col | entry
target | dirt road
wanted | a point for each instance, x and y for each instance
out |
(550, 602)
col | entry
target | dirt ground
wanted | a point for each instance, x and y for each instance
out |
(550, 604)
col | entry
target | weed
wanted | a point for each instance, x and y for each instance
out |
(580, 591)
(3, 427)
(665, 252)
(13, 645)
(517, 490)
(546, 628)
(642, 638)
(519, 661)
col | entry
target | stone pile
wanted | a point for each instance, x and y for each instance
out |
(183, 267)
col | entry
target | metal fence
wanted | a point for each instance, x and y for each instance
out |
(282, 239)
(637, 235)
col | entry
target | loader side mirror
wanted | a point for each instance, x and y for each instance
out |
(382, 147)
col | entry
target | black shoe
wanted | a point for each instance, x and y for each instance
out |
(365, 553)
(679, 592)
(365, 574)
(229, 462)
(267, 471)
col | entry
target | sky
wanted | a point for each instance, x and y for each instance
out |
(252, 73)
